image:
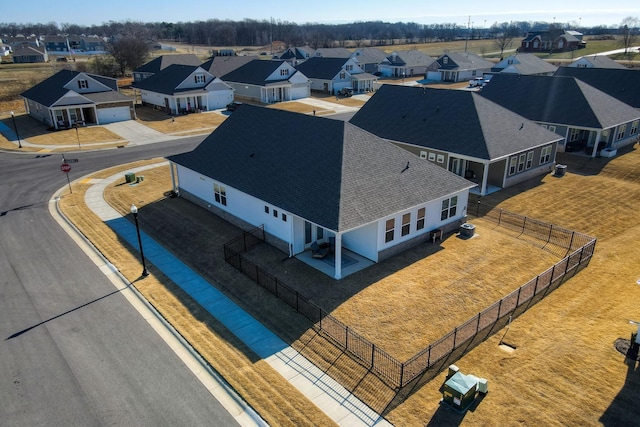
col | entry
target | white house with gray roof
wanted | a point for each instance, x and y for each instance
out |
(334, 182)
(406, 63)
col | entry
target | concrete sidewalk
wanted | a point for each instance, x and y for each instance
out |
(333, 399)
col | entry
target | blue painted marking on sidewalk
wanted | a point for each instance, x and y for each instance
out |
(9, 133)
(250, 331)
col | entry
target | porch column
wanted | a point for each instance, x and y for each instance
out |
(338, 257)
(485, 178)
(596, 143)
(173, 177)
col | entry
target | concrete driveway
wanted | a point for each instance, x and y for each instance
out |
(136, 133)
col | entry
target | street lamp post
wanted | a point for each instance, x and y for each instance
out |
(75, 125)
(13, 118)
(134, 211)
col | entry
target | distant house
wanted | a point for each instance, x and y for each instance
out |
(462, 132)
(333, 184)
(268, 82)
(556, 41)
(180, 89)
(622, 84)
(368, 58)
(459, 67)
(329, 75)
(587, 118)
(161, 62)
(71, 98)
(596, 61)
(5, 49)
(333, 52)
(296, 55)
(525, 64)
(406, 63)
(29, 54)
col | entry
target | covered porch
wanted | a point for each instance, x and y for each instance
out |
(275, 93)
(363, 82)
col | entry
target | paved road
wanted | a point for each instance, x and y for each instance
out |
(72, 350)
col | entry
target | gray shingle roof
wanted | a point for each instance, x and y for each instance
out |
(221, 65)
(561, 100)
(321, 68)
(601, 61)
(410, 58)
(254, 72)
(52, 89)
(624, 85)
(167, 80)
(464, 61)
(525, 64)
(332, 174)
(162, 62)
(460, 122)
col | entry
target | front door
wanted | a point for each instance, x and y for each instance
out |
(457, 166)
(312, 233)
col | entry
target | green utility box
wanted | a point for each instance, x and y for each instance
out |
(459, 391)
(130, 177)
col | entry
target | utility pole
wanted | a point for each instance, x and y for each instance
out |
(467, 38)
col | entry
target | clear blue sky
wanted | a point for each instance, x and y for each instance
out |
(479, 12)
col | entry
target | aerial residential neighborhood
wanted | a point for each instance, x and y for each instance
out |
(402, 225)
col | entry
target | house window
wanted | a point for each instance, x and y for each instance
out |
(275, 213)
(220, 194)
(582, 65)
(406, 224)
(449, 207)
(266, 209)
(445, 60)
(560, 43)
(342, 75)
(440, 158)
(83, 84)
(634, 127)
(521, 162)
(529, 159)
(574, 134)
(284, 72)
(199, 78)
(620, 133)
(513, 161)
(319, 233)
(284, 217)
(423, 154)
(552, 128)
(509, 61)
(349, 67)
(420, 222)
(389, 228)
(545, 154)
(544, 126)
(432, 156)
(535, 44)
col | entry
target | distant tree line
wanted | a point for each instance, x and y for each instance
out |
(249, 32)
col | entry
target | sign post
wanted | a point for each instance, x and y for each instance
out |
(66, 167)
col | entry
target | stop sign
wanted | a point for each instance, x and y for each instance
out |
(65, 167)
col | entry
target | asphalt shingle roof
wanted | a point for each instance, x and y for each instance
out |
(624, 85)
(464, 61)
(167, 80)
(221, 65)
(525, 64)
(254, 72)
(333, 174)
(460, 122)
(561, 100)
(321, 68)
(162, 62)
(601, 61)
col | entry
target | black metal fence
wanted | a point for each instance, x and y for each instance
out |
(579, 249)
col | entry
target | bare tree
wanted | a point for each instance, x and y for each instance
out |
(629, 32)
(128, 52)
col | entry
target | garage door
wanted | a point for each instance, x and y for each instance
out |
(111, 115)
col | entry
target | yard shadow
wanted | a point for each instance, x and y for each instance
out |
(620, 410)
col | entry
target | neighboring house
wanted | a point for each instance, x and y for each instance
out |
(70, 98)
(16, 42)
(368, 58)
(587, 118)
(161, 62)
(459, 67)
(221, 65)
(64, 45)
(180, 89)
(268, 82)
(333, 182)
(596, 61)
(556, 41)
(624, 85)
(329, 75)
(296, 55)
(525, 64)
(5, 49)
(406, 63)
(29, 54)
(461, 132)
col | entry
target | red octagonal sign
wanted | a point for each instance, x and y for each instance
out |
(65, 167)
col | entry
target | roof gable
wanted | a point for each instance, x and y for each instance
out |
(259, 72)
(164, 61)
(49, 91)
(358, 177)
(463, 61)
(452, 121)
(524, 64)
(323, 68)
(624, 85)
(220, 65)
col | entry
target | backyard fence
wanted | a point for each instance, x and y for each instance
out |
(577, 247)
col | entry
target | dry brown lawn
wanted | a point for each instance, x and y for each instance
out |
(181, 125)
(564, 371)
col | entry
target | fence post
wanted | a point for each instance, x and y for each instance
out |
(429, 357)
(320, 312)
(535, 288)
(373, 354)
(524, 224)
(401, 374)
(500, 217)
(573, 233)
(478, 324)
(499, 308)
(346, 337)
(550, 232)
(455, 334)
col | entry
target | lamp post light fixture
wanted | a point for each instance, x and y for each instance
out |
(75, 125)
(134, 211)
(13, 118)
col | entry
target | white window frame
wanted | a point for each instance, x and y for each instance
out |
(432, 157)
(219, 194)
(406, 224)
(449, 208)
(513, 163)
(634, 127)
(389, 230)
(545, 154)
(440, 158)
(529, 161)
